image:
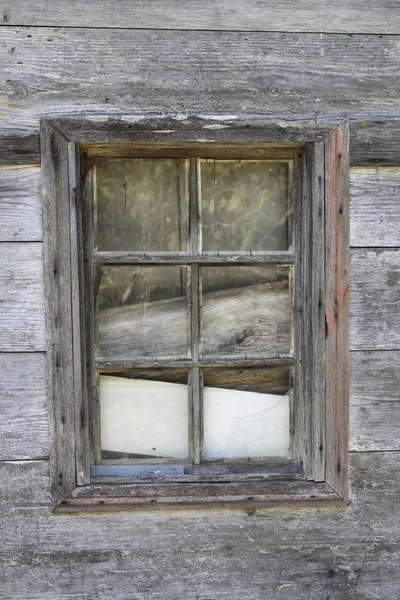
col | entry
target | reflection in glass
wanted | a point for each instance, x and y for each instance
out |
(143, 418)
(247, 413)
(245, 205)
(141, 311)
(142, 204)
(246, 311)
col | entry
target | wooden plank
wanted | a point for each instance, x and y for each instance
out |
(274, 73)
(374, 299)
(221, 15)
(19, 147)
(375, 207)
(251, 571)
(60, 375)
(20, 204)
(246, 495)
(375, 401)
(374, 141)
(22, 320)
(337, 315)
(198, 129)
(371, 518)
(24, 423)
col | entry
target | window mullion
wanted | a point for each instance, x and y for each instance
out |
(196, 426)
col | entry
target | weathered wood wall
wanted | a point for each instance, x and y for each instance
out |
(330, 58)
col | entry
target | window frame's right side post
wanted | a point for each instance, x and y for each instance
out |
(337, 309)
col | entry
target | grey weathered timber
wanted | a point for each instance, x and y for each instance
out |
(219, 15)
(251, 571)
(372, 517)
(19, 147)
(24, 422)
(59, 325)
(375, 401)
(20, 204)
(337, 315)
(196, 129)
(314, 334)
(22, 319)
(374, 141)
(216, 258)
(374, 299)
(67, 71)
(375, 207)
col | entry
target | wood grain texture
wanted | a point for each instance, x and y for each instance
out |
(20, 205)
(59, 323)
(253, 571)
(375, 401)
(22, 320)
(374, 299)
(24, 423)
(19, 147)
(346, 17)
(374, 141)
(67, 71)
(337, 314)
(375, 207)
(247, 495)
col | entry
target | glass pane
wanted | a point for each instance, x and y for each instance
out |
(142, 204)
(247, 413)
(143, 418)
(246, 311)
(245, 205)
(141, 312)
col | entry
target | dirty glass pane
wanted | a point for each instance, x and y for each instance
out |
(245, 205)
(246, 311)
(141, 311)
(247, 413)
(141, 204)
(143, 417)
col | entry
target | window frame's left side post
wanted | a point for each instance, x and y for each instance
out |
(59, 330)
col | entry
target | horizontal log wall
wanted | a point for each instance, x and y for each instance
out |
(285, 58)
(52, 71)
(219, 15)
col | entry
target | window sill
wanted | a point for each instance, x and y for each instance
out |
(168, 496)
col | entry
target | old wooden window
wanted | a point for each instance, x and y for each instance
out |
(197, 312)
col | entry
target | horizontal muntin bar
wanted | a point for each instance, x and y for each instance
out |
(115, 365)
(181, 258)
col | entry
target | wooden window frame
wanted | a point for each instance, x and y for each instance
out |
(323, 317)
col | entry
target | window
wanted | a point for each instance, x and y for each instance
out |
(197, 278)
